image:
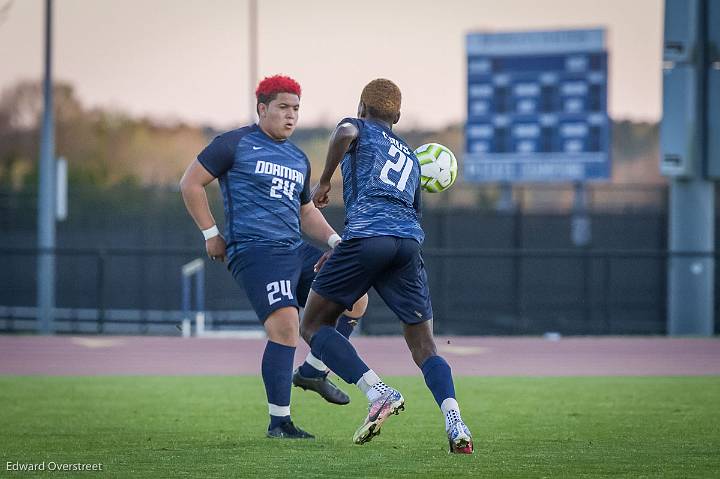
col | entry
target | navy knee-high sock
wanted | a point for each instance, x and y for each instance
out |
(438, 378)
(277, 363)
(345, 326)
(338, 354)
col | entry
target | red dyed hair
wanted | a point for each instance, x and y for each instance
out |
(269, 87)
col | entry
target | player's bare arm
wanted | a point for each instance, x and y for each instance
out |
(340, 142)
(192, 187)
(314, 224)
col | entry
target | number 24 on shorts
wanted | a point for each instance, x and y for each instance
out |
(281, 287)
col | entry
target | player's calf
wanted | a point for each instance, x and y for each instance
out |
(438, 378)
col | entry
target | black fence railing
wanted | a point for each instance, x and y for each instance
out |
(97, 287)
(474, 291)
(576, 291)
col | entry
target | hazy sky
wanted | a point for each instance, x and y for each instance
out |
(187, 59)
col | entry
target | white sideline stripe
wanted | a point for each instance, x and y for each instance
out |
(279, 410)
(315, 362)
(93, 343)
(462, 350)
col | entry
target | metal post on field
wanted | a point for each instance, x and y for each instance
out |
(186, 322)
(46, 194)
(196, 269)
(200, 293)
(100, 293)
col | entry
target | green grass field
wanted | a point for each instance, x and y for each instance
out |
(208, 427)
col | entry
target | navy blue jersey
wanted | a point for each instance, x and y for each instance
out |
(263, 184)
(381, 185)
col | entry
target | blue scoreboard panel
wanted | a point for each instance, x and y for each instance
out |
(537, 107)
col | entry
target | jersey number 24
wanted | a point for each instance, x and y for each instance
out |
(285, 187)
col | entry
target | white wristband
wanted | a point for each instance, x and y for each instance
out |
(333, 240)
(211, 232)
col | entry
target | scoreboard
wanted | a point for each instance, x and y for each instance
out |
(537, 107)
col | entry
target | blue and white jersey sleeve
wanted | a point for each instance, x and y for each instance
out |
(353, 121)
(357, 123)
(218, 157)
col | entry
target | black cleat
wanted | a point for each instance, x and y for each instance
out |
(323, 386)
(287, 430)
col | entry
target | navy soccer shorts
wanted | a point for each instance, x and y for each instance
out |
(392, 265)
(275, 277)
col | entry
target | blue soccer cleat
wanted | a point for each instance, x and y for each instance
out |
(460, 438)
(391, 402)
(288, 430)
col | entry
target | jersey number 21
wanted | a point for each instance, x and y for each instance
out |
(403, 164)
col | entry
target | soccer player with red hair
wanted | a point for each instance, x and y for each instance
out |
(265, 185)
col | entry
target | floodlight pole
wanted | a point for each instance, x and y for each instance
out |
(683, 135)
(253, 55)
(46, 194)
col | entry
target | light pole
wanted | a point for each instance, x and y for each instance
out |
(46, 194)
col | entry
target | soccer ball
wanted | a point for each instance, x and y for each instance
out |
(438, 167)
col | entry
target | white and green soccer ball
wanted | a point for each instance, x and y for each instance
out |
(438, 167)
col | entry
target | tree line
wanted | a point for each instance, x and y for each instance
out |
(106, 147)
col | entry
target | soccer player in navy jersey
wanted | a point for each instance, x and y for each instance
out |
(264, 180)
(381, 248)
